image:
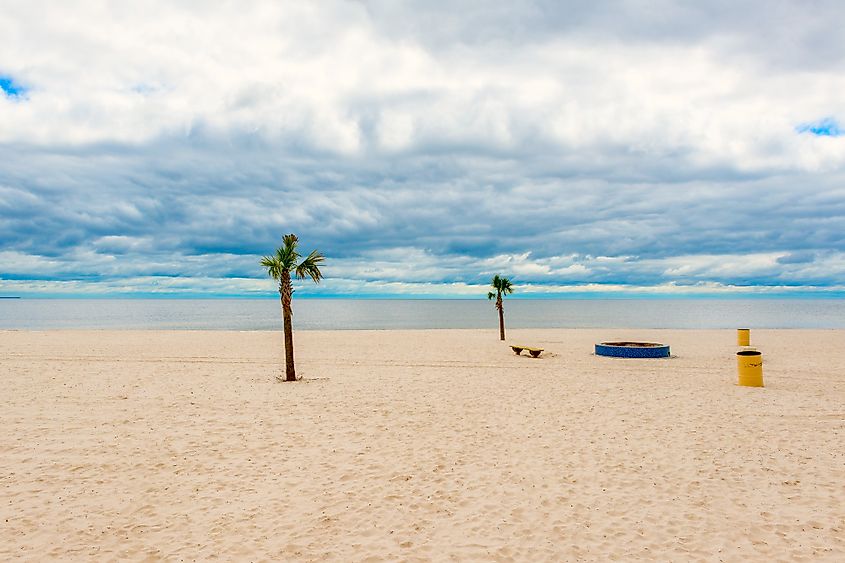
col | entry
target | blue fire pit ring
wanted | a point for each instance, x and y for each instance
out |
(632, 350)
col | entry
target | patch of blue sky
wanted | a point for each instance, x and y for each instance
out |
(148, 88)
(11, 88)
(827, 127)
(144, 89)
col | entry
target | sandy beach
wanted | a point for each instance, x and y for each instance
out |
(419, 445)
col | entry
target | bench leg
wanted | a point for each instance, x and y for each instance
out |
(534, 353)
(516, 351)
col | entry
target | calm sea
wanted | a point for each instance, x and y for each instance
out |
(253, 314)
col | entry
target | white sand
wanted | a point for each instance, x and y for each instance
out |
(419, 445)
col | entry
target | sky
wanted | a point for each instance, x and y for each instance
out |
(618, 148)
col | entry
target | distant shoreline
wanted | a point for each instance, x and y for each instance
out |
(329, 314)
(9, 297)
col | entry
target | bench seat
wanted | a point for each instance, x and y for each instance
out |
(535, 352)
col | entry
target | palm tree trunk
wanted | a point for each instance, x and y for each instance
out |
(290, 371)
(287, 313)
(501, 308)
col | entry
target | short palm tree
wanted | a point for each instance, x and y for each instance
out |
(503, 287)
(279, 267)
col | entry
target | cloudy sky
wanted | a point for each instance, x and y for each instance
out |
(583, 148)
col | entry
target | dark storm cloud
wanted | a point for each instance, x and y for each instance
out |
(797, 258)
(132, 214)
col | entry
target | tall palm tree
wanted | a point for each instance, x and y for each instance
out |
(279, 267)
(503, 287)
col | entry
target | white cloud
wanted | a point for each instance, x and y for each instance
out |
(423, 143)
(320, 72)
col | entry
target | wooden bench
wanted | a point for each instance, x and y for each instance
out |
(535, 352)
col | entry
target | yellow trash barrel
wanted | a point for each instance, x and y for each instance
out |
(743, 337)
(750, 366)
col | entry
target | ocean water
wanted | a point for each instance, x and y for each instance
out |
(323, 314)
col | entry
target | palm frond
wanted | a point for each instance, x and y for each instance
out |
(273, 265)
(290, 240)
(287, 253)
(490, 295)
(310, 267)
(501, 284)
(506, 286)
(268, 261)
